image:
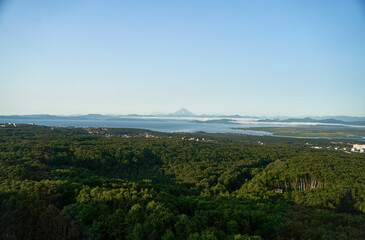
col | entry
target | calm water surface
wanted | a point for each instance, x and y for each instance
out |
(155, 124)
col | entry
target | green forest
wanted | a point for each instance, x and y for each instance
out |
(94, 183)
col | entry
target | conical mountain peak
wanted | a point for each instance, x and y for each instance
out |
(183, 112)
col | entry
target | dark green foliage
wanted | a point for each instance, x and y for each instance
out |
(73, 184)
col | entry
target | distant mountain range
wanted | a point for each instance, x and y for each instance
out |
(183, 112)
(311, 120)
(343, 118)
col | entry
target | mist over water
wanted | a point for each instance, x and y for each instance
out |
(155, 124)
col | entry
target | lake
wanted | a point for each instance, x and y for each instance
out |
(155, 124)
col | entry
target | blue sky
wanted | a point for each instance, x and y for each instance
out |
(291, 58)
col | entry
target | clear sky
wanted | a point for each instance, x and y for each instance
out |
(243, 57)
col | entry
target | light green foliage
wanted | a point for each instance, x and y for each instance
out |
(67, 184)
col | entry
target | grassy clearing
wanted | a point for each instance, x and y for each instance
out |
(313, 131)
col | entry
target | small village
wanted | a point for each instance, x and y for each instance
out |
(356, 148)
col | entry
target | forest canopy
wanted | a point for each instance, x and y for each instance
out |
(77, 183)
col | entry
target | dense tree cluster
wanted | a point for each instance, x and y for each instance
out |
(69, 184)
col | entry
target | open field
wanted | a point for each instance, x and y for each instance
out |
(313, 131)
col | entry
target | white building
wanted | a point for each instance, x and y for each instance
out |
(358, 148)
